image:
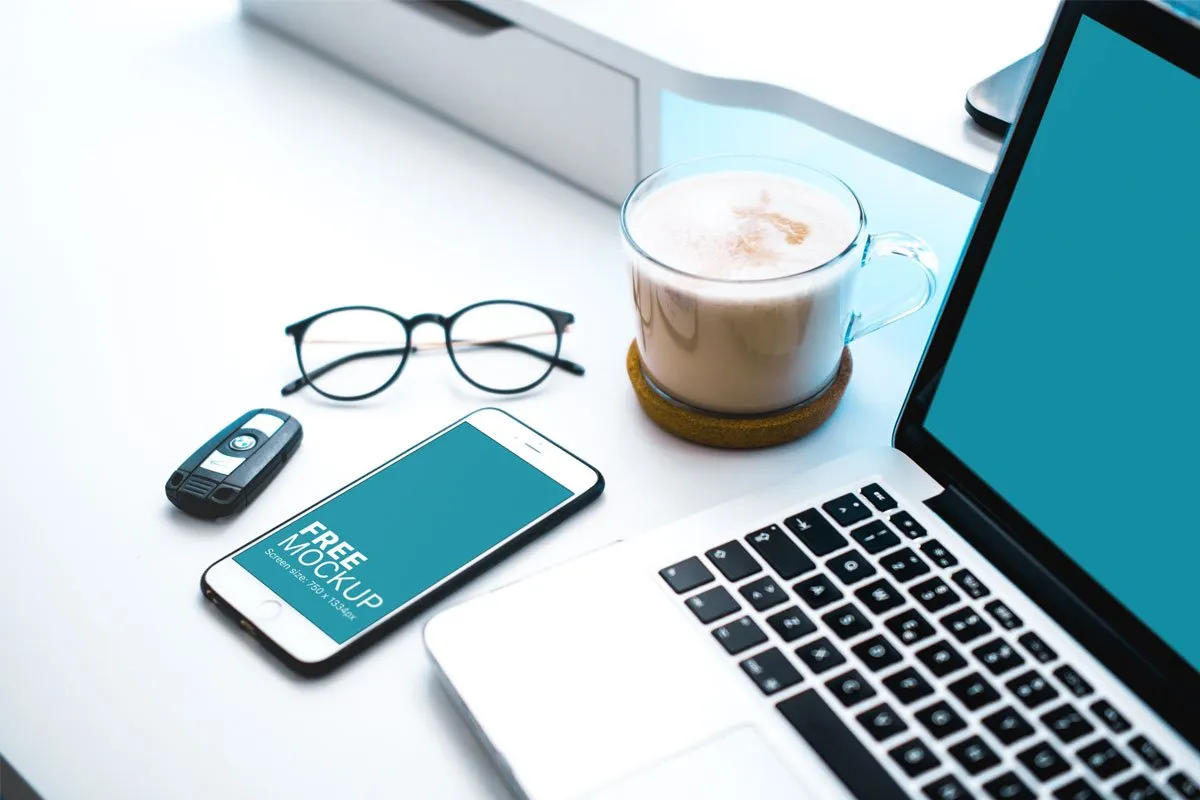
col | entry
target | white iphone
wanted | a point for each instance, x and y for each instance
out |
(340, 574)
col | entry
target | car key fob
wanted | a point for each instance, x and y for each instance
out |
(233, 467)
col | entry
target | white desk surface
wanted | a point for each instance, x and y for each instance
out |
(890, 77)
(177, 187)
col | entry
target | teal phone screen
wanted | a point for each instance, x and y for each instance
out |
(367, 551)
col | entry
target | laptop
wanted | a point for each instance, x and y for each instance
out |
(1002, 604)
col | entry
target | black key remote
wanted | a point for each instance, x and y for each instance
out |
(850, 688)
(974, 754)
(1145, 750)
(879, 596)
(935, 594)
(909, 627)
(820, 655)
(1043, 761)
(998, 656)
(907, 685)
(940, 719)
(1103, 759)
(881, 722)
(818, 591)
(974, 691)
(965, 624)
(1007, 725)
(874, 537)
(1184, 785)
(1008, 787)
(847, 621)
(1037, 647)
(941, 659)
(233, 467)
(1032, 689)
(938, 554)
(904, 564)
(876, 653)
(780, 552)
(907, 525)
(851, 567)
(914, 757)
(970, 584)
(1110, 716)
(763, 593)
(1067, 724)
(1078, 789)
(1073, 681)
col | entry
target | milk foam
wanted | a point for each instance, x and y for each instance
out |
(741, 225)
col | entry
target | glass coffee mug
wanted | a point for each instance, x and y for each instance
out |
(743, 280)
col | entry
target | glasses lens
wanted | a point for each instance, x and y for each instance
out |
(353, 352)
(504, 346)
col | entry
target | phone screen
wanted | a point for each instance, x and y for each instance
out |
(367, 551)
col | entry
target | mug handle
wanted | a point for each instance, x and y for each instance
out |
(922, 255)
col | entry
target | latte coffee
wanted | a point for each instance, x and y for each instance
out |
(742, 283)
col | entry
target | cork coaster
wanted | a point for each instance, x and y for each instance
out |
(736, 432)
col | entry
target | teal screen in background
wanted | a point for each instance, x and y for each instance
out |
(369, 550)
(1072, 386)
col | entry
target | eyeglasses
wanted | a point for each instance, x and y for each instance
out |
(501, 346)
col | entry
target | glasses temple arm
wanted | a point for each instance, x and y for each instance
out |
(561, 363)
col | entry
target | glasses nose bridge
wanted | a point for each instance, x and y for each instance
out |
(421, 319)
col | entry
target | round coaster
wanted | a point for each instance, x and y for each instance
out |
(736, 432)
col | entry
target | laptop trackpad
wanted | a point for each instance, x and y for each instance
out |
(733, 766)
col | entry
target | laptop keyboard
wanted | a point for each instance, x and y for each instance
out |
(853, 605)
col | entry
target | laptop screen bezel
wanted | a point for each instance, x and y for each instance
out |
(1130, 648)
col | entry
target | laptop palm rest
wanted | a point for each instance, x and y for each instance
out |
(733, 766)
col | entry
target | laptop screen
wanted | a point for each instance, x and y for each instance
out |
(1071, 388)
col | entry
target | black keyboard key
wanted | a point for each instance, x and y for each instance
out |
(733, 561)
(904, 564)
(970, 584)
(946, 788)
(847, 621)
(763, 593)
(839, 747)
(1008, 787)
(907, 525)
(935, 594)
(771, 670)
(791, 624)
(1146, 751)
(939, 555)
(1103, 759)
(1032, 689)
(875, 537)
(1074, 682)
(850, 688)
(966, 625)
(974, 755)
(820, 655)
(879, 596)
(780, 552)
(881, 722)
(739, 635)
(1007, 725)
(846, 510)
(711, 605)
(1067, 724)
(914, 757)
(1078, 789)
(818, 591)
(1004, 615)
(1037, 648)
(876, 653)
(686, 575)
(811, 528)
(998, 656)
(1110, 716)
(1185, 786)
(851, 567)
(1138, 789)
(909, 626)
(941, 659)
(974, 691)
(907, 685)
(877, 497)
(1043, 761)
(940, 719)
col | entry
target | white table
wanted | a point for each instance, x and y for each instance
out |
(889, 77)
(175, 187)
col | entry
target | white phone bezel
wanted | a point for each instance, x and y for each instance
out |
(272, 617)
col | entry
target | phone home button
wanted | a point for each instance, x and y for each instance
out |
(268, 609)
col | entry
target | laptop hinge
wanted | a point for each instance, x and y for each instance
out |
(1042, 586)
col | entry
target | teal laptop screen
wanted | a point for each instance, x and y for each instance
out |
(1072, 388)
(367, 551)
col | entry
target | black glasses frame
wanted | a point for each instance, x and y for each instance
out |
(561, 320)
